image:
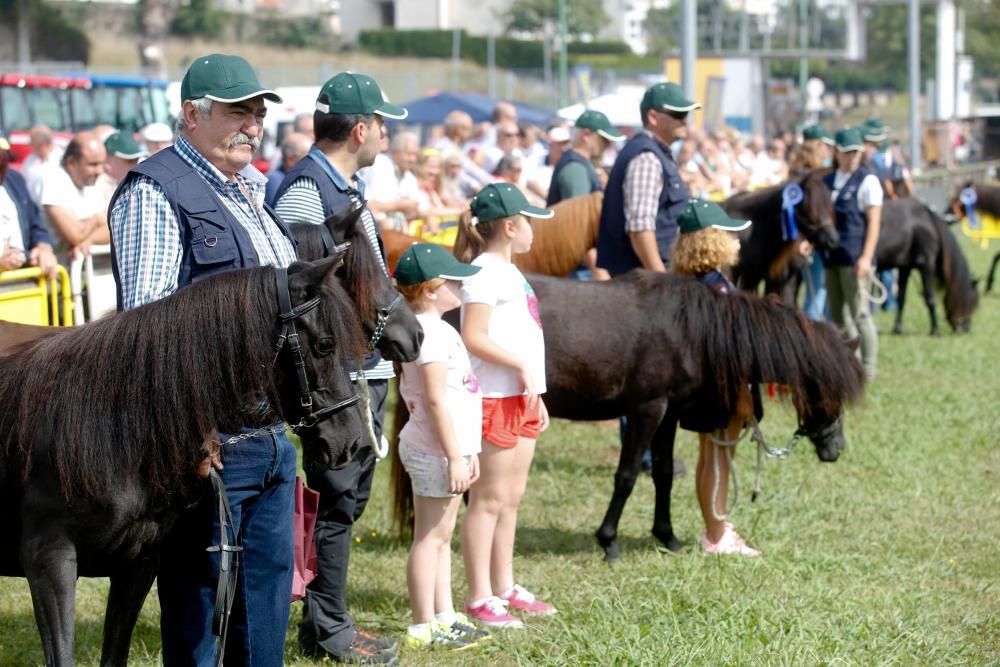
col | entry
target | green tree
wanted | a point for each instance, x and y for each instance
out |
(583, 17)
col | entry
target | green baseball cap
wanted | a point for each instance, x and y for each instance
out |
(425, 261)
(874, 130)
(699, 215)
(502, 200)
(849, 139)
(350, 93)
(223, 78)
(817, 133)
(666, 97)
(123, 145)
(598, 122)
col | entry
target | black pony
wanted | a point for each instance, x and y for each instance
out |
(767, 254)
(988, 201)
(103, 429)
(672, 340)
(914, 237)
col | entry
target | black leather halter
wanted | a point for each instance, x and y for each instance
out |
(290, 337)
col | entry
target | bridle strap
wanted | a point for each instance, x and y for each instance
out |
(382, 320)
(289, 336)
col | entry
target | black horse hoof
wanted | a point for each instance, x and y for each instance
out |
(897, 330)
(613, 554)
(668, 540)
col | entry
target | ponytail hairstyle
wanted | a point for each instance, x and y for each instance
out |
(473, 235)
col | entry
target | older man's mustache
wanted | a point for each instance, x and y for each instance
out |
(241, 139)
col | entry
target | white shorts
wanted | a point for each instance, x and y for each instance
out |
(428, 472)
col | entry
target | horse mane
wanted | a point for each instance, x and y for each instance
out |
(140, 391)
(960, 296)
(561, 242)
(360, 262)
(746, 338)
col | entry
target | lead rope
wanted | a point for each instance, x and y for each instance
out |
(380, 447)
(877, 287)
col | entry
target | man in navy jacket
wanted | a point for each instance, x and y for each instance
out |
(23, 239)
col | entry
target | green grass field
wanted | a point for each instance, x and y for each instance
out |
(888, 557)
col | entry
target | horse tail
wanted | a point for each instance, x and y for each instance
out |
(750, 339)
(960, 296)
(402, 487)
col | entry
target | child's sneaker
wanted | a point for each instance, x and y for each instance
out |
(730, 543)
(493, 612)
(521, 600)
(462, 625)
(449, 638)
(419, 636)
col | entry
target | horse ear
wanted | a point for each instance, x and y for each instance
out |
(307, 276)
(853, 344)
(343, 220)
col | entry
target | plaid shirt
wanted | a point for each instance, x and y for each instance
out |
(147, 239)
(641, 189)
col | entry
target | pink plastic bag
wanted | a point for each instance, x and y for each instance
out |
(306, 504)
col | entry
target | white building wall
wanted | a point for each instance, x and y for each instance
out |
(358, 15)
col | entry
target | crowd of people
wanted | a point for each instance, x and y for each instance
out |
(476, 396)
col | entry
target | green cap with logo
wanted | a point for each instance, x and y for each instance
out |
(817, 133)
(426, 261)
(502, 200)
(849, 139)
(699, 215)
(598, 122)
(223, 78)
(351, 93)
(123, 145)
(874, 130)
(666, 97)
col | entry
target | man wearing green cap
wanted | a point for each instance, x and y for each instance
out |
(817, 138)
(857, 206)
(350, 112)
(23, 237)
(124, 152)
(189, 211)
(574, 175)
(645, 191)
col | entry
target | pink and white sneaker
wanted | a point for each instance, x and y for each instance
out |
(521, 600)
(492, 611)
(730, 544)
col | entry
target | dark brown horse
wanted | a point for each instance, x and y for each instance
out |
(673, 341)
(913, 237)
(768, 252)
(987, 201)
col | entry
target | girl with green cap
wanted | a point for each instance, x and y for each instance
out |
(503, 332)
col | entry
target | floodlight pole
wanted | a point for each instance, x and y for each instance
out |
(563, 78)
(913, 54)
(689, 46)
(803, 61)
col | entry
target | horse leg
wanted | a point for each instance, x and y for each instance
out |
(993, 268)
(129, 586)
(904, 277)
(642, 423)
(663, 479)
(49, 562)
(927, 278)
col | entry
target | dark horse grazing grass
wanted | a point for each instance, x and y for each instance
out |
(914, 237)
(646, 344)
(987, 201)
(765, 256)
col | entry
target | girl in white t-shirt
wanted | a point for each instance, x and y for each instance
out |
(503, 332)
(439, 444)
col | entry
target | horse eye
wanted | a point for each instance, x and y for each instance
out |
(325, 346)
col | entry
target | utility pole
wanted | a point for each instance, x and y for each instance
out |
(913, 53)
(563, 65)
(689, 46)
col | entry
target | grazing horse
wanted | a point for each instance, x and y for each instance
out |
(987, 201)
(675, 341)
(769, 251)
(914, 237)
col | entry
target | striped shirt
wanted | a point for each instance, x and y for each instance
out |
(641, 189)
(301, 203)
(147, 239)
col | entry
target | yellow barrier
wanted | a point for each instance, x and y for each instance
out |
(447, 231)
(987, 228)
(27, 297)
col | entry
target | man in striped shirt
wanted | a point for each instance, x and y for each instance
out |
(350, 111)
(189, 211)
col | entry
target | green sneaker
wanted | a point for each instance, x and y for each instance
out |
(447, 637)
(463, 626)
(422, 638)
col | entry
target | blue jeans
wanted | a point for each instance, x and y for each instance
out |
(888, 278)
(259, 475)
(814, 306)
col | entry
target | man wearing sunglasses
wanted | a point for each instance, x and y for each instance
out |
(645, 193)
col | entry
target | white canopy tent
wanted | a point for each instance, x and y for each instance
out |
(621, 107)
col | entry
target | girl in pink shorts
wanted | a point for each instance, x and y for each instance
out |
(503, 332)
